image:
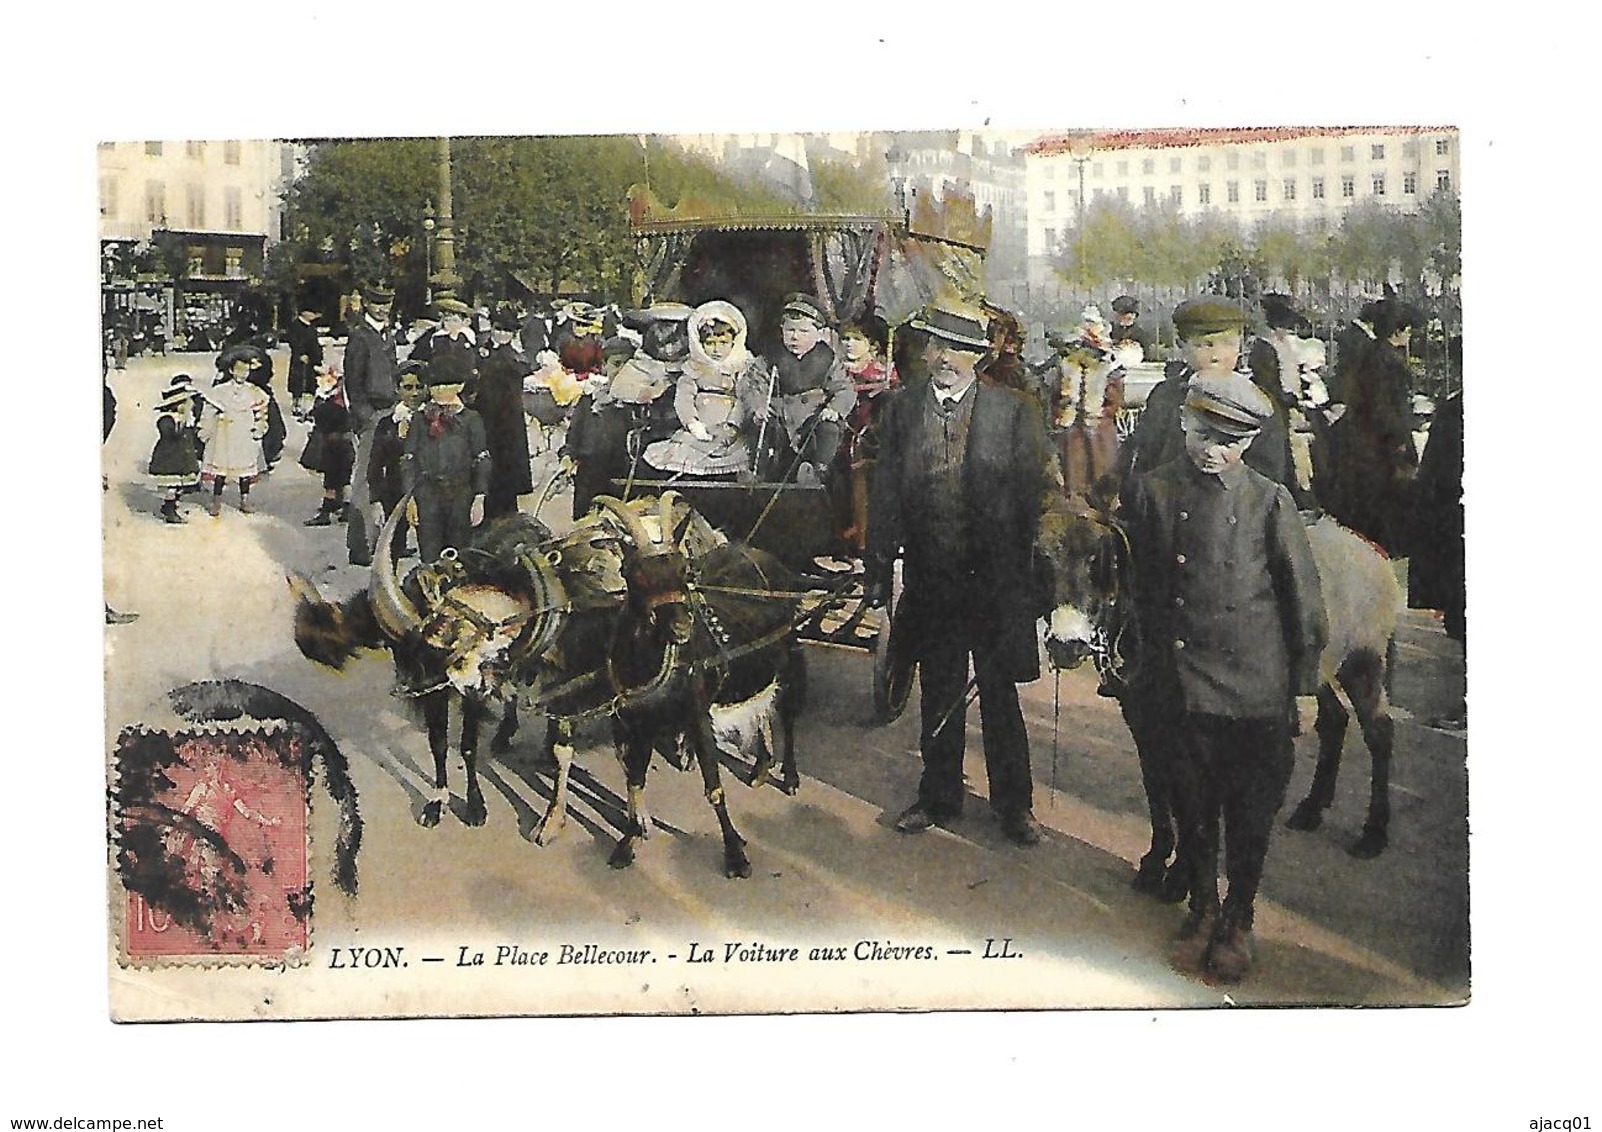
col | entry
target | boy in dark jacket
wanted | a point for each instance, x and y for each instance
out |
(1233, 625)
(447, 463)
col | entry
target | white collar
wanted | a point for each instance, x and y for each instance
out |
(953, 395)
(378, 326)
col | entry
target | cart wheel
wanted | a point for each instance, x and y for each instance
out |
(892, 672)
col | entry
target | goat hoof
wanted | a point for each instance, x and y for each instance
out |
(476, 813)
(1306, 817)
(1370, 845)
(791, 786)
(623, 856)
(430, 816)
(500, 744)
(737, 867)
(1149, 875)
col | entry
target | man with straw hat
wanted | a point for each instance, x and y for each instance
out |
(959, 488)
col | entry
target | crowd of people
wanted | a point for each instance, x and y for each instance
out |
(945, 458)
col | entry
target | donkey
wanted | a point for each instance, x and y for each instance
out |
(1086, 556)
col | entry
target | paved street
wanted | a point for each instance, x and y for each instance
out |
(827, 866)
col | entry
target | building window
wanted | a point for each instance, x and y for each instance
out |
(1376, 153)
(1410, 183)
(1204, 165)
(230, 153)
(1318, 188)
(1150, 194)
(1410, 148)
(196, 257)
(195, 202)
(108, 198)
(1443, 179)
(1173, 164)
(1123, 192)
(155, 202)
(1148, 166)
(1123, 168)
(1232, 191)
(1348, 186)
(152, 149)
(1259, 190)
(233, 209)
(196, 150)
(234, 262)
(1097, 194)
(1073, 198)
(1204, 193)
(1095, 169)
(1316, 157)
(1176, 193)
(1290, 188)
(1051, 239)
(1348, 153)
(1288, 159)
(1232, 160)
(1441, 147)
(1051, 202)
(1259, 160)
(1379, 184)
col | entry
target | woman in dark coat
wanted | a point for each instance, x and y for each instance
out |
(1372, 457)
(500, 404)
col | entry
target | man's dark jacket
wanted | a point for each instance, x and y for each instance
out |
(991, 591)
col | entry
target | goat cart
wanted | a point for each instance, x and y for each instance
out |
(797, 524)
(888, 263)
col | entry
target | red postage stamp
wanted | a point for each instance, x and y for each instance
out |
(212, 829)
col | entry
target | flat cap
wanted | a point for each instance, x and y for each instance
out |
(452, 306)
(1126, 304)
(1230, 404)
(376, 294)
(1207, 315)
(803, 306)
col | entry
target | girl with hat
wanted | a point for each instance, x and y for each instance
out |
(232, 425)
(1087, 396)
(722, 390)
(175, 460)
(330, 448)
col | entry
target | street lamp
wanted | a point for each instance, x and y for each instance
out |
(1080, 146)
(428, 251)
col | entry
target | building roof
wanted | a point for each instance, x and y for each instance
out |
(1179, 138)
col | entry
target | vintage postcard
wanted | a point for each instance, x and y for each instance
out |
(767, 573)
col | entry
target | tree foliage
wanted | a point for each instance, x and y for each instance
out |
(1156, 245)
(551, 211)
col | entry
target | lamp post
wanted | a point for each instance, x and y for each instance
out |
(1080, 147)
(447, 278)
(896, 158)
(428, 251)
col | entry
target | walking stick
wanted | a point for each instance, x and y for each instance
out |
(969, 694)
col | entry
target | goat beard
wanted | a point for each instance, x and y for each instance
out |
(332, 635)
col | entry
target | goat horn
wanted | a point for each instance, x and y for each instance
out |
(395, 613)
(665, 513)
(643, 542)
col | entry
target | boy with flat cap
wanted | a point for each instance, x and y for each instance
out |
(1233, 625)
(447, 461)
(813, 395)
(1210, 332)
